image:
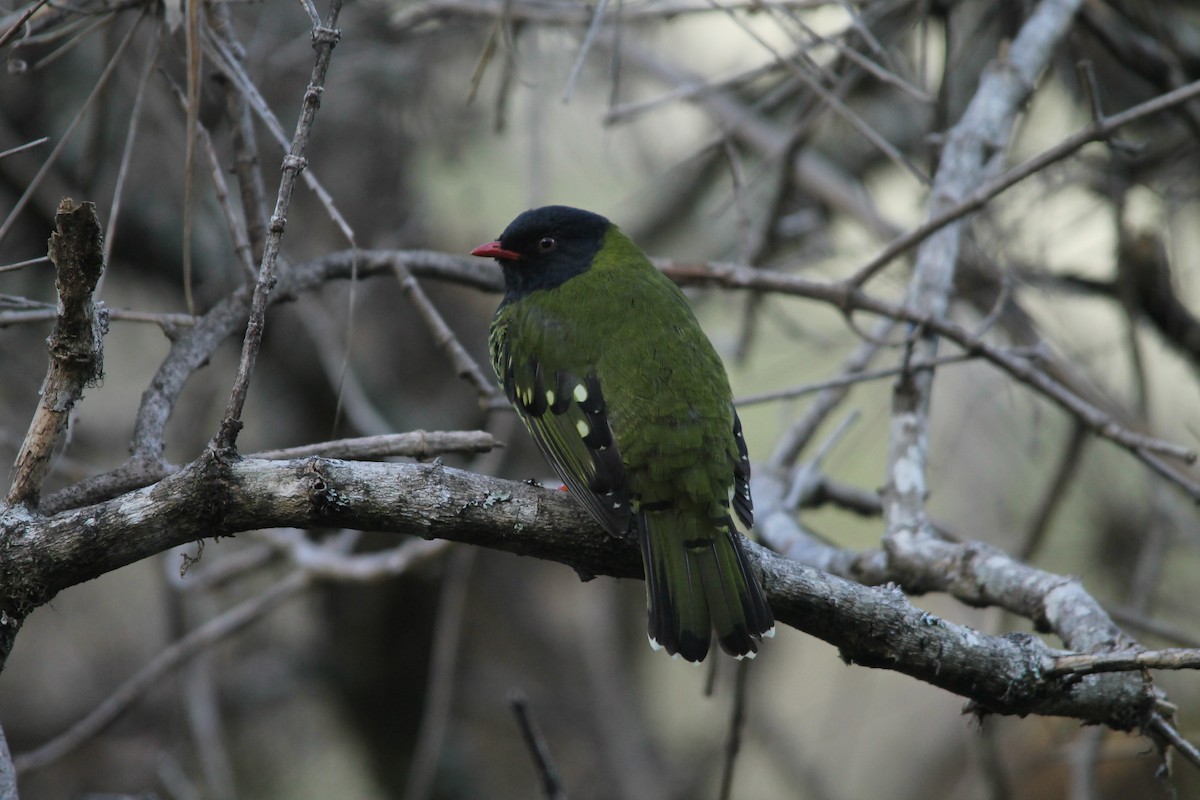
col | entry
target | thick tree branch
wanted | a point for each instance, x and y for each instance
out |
(872, 626)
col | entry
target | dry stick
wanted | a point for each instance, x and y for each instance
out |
(223, 56)
(589, 39)
(834, 103)
(1138, 619)
(572, 14)
(29, 262)
(324, 38)
(1097, 130)
(552, 786)
(1084, 758)
(1125, 661)
(12, 151)
(76, 344)
(194, 53)
(414, 444)
(163, 320)
(20, 21)
(1160, 726)
(135, 116)
(241, 243)
(444, 337)
(245, 161)
(196, 641)
(850, 379)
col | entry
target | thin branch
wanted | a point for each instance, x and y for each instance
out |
(967, 157)
(20, 21)
(1095, 131)
(589, 39)
(135, 116)
(1125, 661)
(853, 378)
(23, 147)
(1027, 371)
(539, 751)
(1161, 727)
(1055, 493)
(444, 337)
(324, 38)
(414, 444)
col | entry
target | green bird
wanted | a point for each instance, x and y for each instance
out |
(625, 396)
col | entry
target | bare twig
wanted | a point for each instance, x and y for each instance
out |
(445, 338)
(23, 147)
(1096, 130)
(852, 378)
(20, 21)
(414, 444)
(233, 222)
(1099, 421)
(135, 115)
(552, 786)
(324, 39)
(589, 39)
(1125, 661)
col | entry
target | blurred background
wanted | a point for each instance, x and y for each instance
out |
(793, 134)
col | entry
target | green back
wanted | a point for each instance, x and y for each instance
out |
(668, 399)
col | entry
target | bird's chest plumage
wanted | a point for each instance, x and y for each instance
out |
(665, 395)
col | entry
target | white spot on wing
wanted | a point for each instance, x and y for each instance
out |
(580, 393)
(582, 427)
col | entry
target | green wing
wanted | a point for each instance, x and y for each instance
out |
(567, 416)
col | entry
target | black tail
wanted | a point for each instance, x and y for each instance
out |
(698, 580)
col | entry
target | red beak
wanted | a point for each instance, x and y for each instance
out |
(494, 250)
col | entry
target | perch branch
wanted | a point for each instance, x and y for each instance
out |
(872, 626)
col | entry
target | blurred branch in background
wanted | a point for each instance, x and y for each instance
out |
(884, 182)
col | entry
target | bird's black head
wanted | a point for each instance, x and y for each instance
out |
(544, 247)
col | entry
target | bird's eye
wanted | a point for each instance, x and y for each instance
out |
(547, 244)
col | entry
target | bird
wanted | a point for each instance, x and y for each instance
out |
(624, 394)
